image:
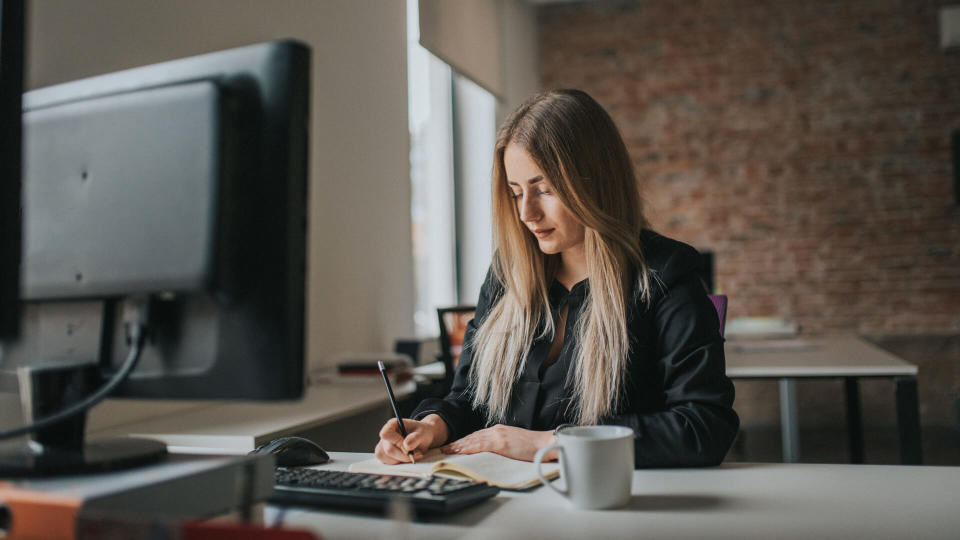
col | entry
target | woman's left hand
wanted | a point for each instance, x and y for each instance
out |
(509, 441)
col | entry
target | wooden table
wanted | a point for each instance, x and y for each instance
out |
(842, 356)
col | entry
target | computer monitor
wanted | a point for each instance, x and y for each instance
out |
(177, 193)
(11, 87)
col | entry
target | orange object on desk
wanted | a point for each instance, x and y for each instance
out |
(39, 515)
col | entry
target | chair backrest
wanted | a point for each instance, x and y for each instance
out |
(720, 302)
(453, 324)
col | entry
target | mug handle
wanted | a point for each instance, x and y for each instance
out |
(538, 460)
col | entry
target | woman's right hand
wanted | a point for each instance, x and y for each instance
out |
(422, 435)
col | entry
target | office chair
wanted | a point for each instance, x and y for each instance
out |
(720, 302)
(453, 324)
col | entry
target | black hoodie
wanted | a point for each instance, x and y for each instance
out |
(677, 397)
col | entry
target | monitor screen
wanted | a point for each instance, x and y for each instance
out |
(176, 191)
(11, 87)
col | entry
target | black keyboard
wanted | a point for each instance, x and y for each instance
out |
(353, 490)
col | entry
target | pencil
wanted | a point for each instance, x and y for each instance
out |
(393, 403)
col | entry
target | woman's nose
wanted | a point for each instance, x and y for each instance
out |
(529, 211)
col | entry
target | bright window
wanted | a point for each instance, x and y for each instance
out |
(451, 146)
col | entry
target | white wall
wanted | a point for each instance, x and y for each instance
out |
(520, 54)
(360, 292)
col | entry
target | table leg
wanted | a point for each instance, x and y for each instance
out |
(854, 425)
(789, 426)
(908, 421)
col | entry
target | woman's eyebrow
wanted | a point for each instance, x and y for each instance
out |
(531, 181)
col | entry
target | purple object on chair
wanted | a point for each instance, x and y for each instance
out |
(720, 302)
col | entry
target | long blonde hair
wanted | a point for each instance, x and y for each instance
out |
(577, 146)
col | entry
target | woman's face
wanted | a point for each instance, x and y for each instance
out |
(554, 227)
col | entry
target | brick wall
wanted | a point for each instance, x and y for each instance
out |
(806, 143)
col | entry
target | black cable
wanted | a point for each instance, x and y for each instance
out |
(136, 336)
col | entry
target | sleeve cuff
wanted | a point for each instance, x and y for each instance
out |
(431, 406)
(457, 424)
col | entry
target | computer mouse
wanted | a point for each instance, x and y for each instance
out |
(294, 452)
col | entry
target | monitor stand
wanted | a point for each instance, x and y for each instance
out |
(62, 448)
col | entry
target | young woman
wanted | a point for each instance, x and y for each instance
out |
(586, 316)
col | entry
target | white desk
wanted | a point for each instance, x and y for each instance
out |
(739, 501)
(238, 427)
(843, 356)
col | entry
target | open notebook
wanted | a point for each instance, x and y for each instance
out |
(488, 467)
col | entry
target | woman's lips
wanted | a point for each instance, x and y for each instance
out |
(542, 233)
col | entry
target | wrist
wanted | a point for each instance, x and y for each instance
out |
(438, 429)
(548, 438)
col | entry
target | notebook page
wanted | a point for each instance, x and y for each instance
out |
(422, 468)
(485, 467)
(497, 470)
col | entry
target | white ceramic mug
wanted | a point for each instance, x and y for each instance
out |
(596, 462)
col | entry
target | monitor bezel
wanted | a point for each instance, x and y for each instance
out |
(11, 90)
